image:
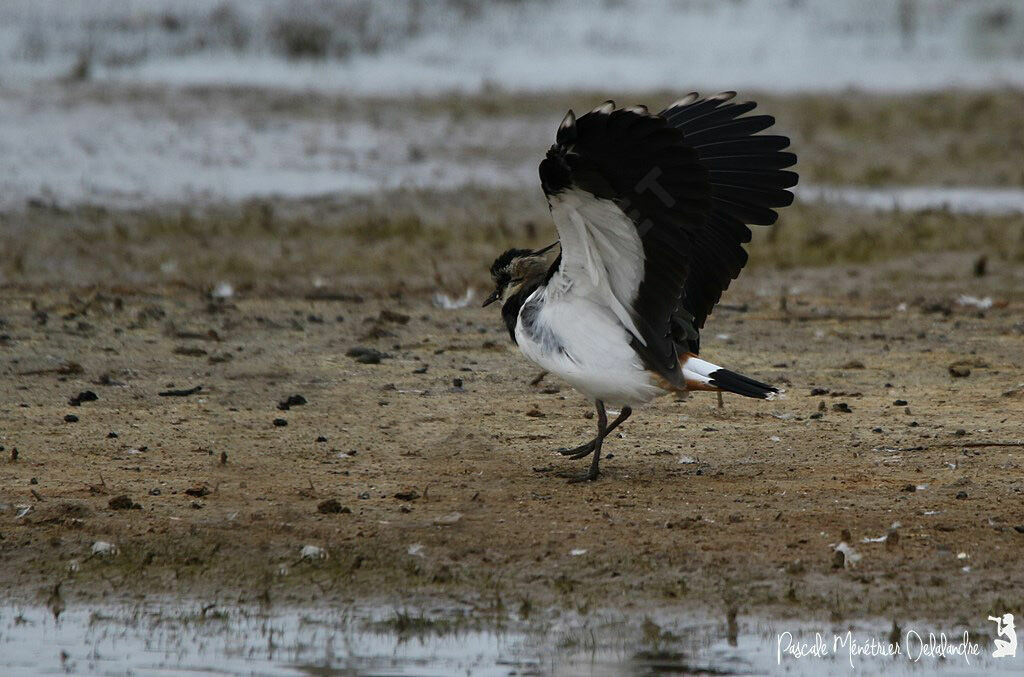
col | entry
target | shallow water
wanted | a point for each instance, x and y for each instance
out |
(472, 45)
(161, 638)
(957, 199)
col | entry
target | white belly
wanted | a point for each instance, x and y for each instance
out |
(585, 344)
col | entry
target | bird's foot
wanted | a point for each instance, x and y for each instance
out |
(581, 451)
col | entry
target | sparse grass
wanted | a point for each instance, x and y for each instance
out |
(414, 241)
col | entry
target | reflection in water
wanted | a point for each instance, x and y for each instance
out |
(192, 638)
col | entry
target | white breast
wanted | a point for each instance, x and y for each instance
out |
(583, 342)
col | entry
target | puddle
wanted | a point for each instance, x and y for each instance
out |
(185, 638)
(960, 200)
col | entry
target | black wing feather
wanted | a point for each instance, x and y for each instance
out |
(748, 182)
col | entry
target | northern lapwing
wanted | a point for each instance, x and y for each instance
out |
(652, 212)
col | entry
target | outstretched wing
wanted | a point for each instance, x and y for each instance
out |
(626, 195)
(748, 182)
(645, 218)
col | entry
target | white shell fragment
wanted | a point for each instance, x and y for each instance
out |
(223, 291)
(312, 552)
(448, 303)
(448, 520)
(975, 302)
(104, 549)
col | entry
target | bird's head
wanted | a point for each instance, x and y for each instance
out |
(514, 268)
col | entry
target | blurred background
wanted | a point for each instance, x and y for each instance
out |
(364, 123)
(252, 236)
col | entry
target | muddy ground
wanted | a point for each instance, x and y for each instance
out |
(432, 473)
(449, 489)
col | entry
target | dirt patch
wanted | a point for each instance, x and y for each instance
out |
(428, 471)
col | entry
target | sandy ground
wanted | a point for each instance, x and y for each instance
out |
(439, 460)
(433, 473)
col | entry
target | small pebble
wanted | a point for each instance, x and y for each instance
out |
(365, 355)
(71, 418)
(331, 507)
(103, 548)
(122, 502)
(312, 552)
(84, 396)
(280, 422)
(111, 435)
(291, 401)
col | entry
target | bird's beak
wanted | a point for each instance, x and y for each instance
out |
(495, 295)
(545, 249)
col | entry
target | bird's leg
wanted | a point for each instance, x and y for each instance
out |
(588, 448)
(538, 378)
(602, 430)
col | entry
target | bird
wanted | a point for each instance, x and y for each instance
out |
(652, 211)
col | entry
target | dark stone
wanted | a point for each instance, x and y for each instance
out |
(331, 507)
(71, 418)
(84, 396)
(391, 316)
(291, 401)
(365, 355)
(280, 422)
(122, 502)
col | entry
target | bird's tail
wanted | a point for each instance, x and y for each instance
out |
(703, 375)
